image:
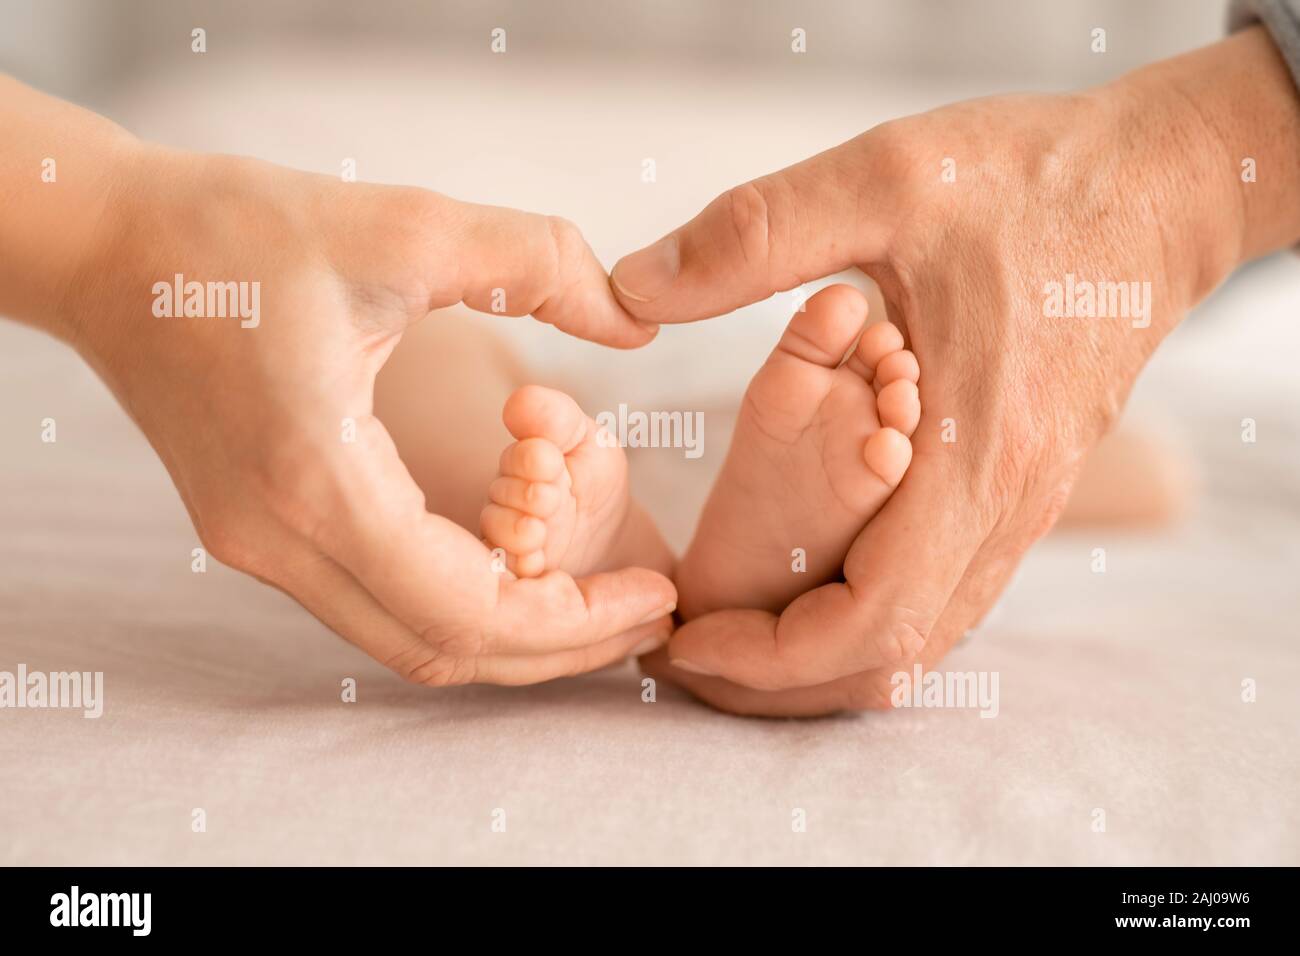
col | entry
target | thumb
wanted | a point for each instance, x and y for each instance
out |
(494, 260)
(520, 263)
(806, 221)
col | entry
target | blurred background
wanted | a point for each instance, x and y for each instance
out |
(80, 48)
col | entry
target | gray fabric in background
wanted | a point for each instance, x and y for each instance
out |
(1280, 17)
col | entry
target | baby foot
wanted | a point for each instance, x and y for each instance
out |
(561, 500)
(820, 444)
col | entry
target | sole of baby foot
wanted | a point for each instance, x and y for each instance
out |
(821, 442)
(561, 499)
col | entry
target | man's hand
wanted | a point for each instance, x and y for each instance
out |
(984, 224)
(265, 421)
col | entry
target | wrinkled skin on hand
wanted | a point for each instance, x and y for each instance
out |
(1013, 398)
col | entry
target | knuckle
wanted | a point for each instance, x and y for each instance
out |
(904, 634)
(893, 156)
(410, 214)
(566, 237)
(748, 210)
(568, 248)
(429, 209)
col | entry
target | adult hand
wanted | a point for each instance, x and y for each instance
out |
(265, 421)
(966, 217)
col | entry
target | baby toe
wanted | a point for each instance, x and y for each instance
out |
(533, 459)
(537, 412)
(887, 454)
(826, 327)
(529, 565)
(513, 530)
(894, 367)
(877, 341)
(541, 499)
(898, 406)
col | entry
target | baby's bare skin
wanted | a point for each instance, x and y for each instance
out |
(820, 445)
(561, 501)
(810, 463)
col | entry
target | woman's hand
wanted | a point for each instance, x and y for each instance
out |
(260, 404)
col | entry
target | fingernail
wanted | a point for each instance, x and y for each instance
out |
(692, 668)
(656, 615)
(648, 645)
(648, 273)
